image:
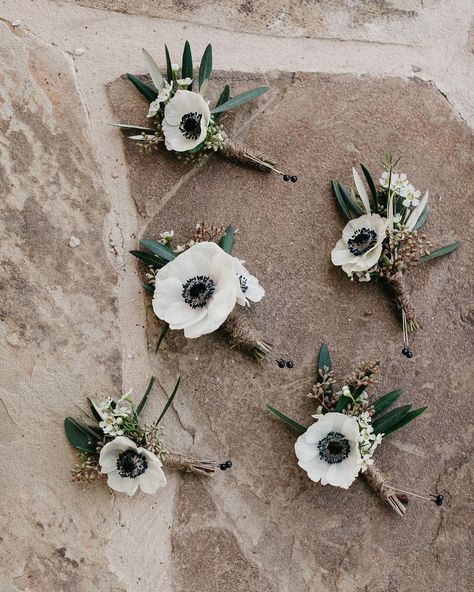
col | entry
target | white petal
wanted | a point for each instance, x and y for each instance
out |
(175, 140)
(342, 474)
(304, 451)
(166, 293)
(315, 432)
(152, 479)
(316, 469)
(180, 315)
(114, 448)
(361, 190)
(122, 484)
(341, 255)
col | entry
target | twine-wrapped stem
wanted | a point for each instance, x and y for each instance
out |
(189, 464)
(376, 481)
(237, 152)
(243, 335)
(396, 285)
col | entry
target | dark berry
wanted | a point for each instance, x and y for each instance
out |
(439, 500)
(286, 177)
(228, 464)
(293, 178)
(409, 354)
(405, 350)
(281, 363)
(289, 364)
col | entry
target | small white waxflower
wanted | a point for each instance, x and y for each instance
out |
(197, 290)
(162, 97)
(346, 391)
(110, 427)
(398, 182)
(179, 249)
(411, 197)
(166, 237)
(329, 450)
(184, 82)
(186, 120)
(129, 467)
(248, 286)
(360, 247)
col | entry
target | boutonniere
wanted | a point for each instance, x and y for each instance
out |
(382, 241)
(114, 442)
(181, 117)
(349, 427)
(196, 287)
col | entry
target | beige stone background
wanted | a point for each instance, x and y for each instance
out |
(349, 79)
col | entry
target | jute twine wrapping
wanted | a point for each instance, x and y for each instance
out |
(237, 152)
(240, 331)
(376, 481)
(188, 464)
(397, 286)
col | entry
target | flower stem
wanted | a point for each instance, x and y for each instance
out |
(396, 283)
(188, 464)
(376, 481)
(237, 152)
(244, 336)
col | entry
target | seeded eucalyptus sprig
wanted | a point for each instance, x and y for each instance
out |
(374, 418)
(181, 117)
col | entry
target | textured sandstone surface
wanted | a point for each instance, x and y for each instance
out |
(75, 321)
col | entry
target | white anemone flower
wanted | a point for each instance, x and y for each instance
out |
(329, 450)
(197, 290)
(129, 467)
(248, 285)
(360, 247)
(186, 119)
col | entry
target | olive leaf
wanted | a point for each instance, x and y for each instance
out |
(153, 70)
(169, 69)
(340, 200)
(387, 401)
(164, 332)
(383, 424)
(240, 99)
(170, 400)
(205, 68)
(80, 435)
(227, 241)
(149, 93)
(371, 184)
(163, 251)
(145, 396)
(403, 422)
(441, 251)
(422, 219)
(293, 424)
(187, 65)
(324, 361)
(149, 259)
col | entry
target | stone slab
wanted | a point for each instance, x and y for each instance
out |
(263, 526)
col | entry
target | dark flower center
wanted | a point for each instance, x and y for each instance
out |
(190, 125)
(362, 241)
(198, 290)
(131, 464)
(243, 284)
(334, 448)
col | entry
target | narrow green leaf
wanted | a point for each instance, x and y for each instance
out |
(293, 424)
(133, 127)
(422, 219)
(227, 241)
(168, 403)
(169, 69)
(408, 417)
(224, 97)
(387, 421)
(342, 403)
(158, 249)
(373, 189)
(149, 259)
(387, 401)
(241, 99)
(351, 204)
(340, 200)
(145, 396)
(153, 70)
(324, 360)
(80, 436)
(94, 412)
(164, 332)
(205, 68)
(150, 289)
(442, 251)
(149, 93)
(187, 66)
